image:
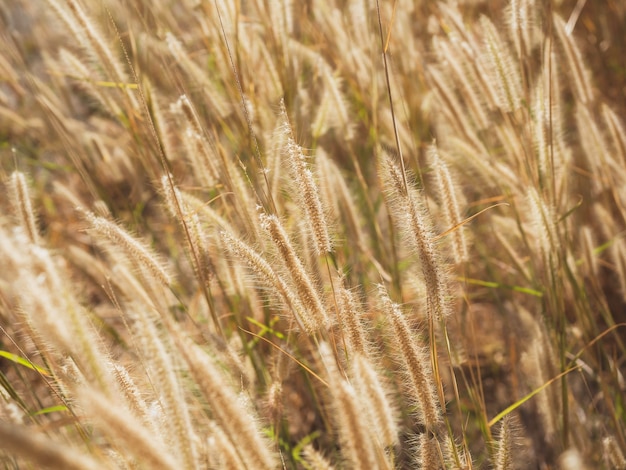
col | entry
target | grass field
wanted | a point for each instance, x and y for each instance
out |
(350, 234)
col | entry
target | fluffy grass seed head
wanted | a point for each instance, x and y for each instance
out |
(21, 441)
(236, 418)
(613, 456)
(503, 70)
(308, 194)
(505, 458)
(428, 452)
(447, 193)
(20, 199)
(127, 431)
(415, 365)
(352, 425)
(264, 270)
(415, 223)
(139, 254)
(302, 282)
(377, 402)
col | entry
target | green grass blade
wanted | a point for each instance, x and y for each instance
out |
(524, 399)
(23, 362)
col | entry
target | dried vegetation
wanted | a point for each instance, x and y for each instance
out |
(350, 234)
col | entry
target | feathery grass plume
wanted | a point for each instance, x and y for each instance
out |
(234, 417)
(201, 158)
(359, 22)
(13, 122)
(522, 20)
(487, 168)
(136, 402)
(34, 298)
(229, 13)
(236, 361)
(503, 70)
(43, 452)
(606, 224)
(199, 151)
(352, 425)
(537, 363)
(265, 271)
(451, 54)
(617, 132)
(281, 16)
(329, 182)
(451, 16)
(618, 255)
(578, 69)
(416, 366)
(159, 360)
(271, 77)
(52, 310)
(218, 105)
(504, 459)
(243, 200)
(128, 432)
(447, 193)
(589, 245)
(597, 152)
(207, 215)
(457, 456)
(314, 459)
(10, 412)
(157, 356)
(88, 350)
(274, 401)
(350, 318)
(275, 142)
(540, 136)
(222, 452)
(82, 75)
(132, 290)
(337, 196)
(141, 256)
(164, 133)
(544, 223)
(302, 283)
(520, 263)
(402, 127)
(516, 156)
(89, 36)
(428, 455)
(376, 401)
(233, 280)
(75, 126)
(453, 107)
(355, 41)
(20, 199)
(337, 115)
(321, 122)
(556, 128)
(415, 222)
(612, 454)
(11, 76)
(194, 231)
(309, 198)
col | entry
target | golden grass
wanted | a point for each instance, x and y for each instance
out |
(319, 234)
